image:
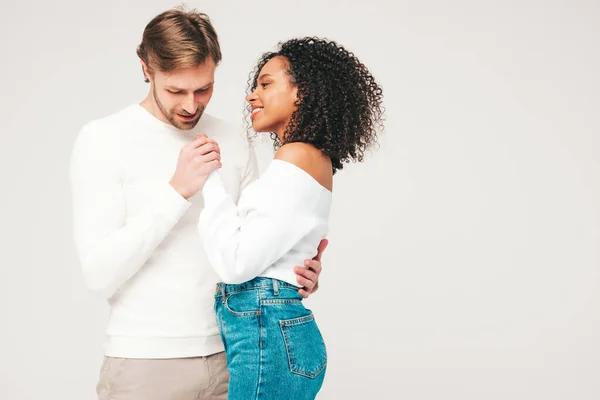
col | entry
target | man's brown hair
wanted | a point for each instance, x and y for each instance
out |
(177, 39)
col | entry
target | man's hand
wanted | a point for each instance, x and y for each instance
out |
(196, 161)
(309, 277)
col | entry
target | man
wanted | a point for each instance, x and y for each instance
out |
(135, 178)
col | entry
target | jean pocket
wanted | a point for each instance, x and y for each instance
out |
(243, 304)
(304, 345)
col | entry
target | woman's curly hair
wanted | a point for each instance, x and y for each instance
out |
(339, 109)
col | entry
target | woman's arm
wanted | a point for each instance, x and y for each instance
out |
(241, 242)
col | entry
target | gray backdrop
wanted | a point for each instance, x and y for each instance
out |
(464, 258)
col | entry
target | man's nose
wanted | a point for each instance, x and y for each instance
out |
(189, 105)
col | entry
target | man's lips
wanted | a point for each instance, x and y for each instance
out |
(188, 117)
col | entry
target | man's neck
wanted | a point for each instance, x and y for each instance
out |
(149, 104)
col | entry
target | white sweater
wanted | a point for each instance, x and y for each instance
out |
(277, 224)
(137, 237)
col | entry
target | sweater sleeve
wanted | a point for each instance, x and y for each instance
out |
(111, 246)
(242, 241)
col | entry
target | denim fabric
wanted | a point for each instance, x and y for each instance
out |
(274, 347)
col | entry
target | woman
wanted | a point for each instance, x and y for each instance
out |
(323, 108)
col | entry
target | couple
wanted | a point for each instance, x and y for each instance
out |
(167, 207)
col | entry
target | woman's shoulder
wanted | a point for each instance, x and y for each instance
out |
(310, 159)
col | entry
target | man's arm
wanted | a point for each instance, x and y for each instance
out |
(309, 277)
(112, 247)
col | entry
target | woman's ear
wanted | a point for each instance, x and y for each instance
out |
(297, 97)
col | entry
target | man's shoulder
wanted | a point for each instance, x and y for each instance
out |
(223, 132)
(104, 133)
(112, 122)
(216, 126)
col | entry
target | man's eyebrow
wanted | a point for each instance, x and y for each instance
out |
(207, 85)
(175, 88)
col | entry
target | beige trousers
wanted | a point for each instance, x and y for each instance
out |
(169, 379)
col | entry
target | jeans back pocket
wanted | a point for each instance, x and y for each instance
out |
(304, 345)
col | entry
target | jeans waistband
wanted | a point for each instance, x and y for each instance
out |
(256, 283)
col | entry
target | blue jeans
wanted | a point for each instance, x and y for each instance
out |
(274, 347)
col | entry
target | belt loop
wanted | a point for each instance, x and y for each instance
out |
(223, 290)
(275, 287)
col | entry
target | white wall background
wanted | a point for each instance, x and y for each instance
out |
(464, 259)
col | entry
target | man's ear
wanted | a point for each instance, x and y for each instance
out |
(146, 71)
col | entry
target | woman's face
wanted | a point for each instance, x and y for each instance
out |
(274, 99)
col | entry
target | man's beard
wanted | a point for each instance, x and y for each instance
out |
(172, 118)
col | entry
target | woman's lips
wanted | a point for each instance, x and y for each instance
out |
(255, 111)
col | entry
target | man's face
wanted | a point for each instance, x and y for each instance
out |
(182, 95)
